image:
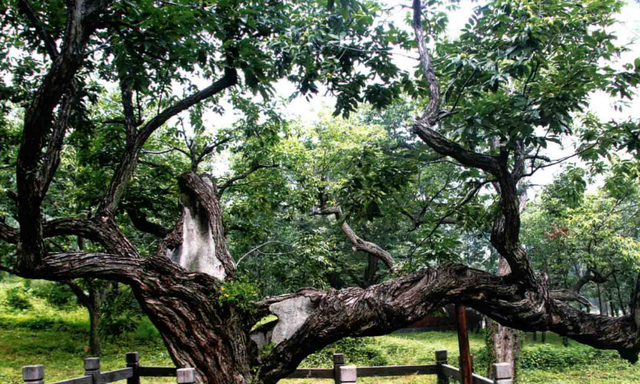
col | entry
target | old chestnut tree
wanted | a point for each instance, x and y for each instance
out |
(109, 84)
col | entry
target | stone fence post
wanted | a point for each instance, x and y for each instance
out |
(502, 373)
(442, 358)
(186, 375)
(338, 361)
(92, 368)
(33, 374)
(348, 375)
(133, 361)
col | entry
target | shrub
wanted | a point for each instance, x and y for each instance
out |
(547, 357)
(358, 351)
(239, 293)
(39, 323)
(120, 313)
(16, 299)
(146, 331)
(57, 295)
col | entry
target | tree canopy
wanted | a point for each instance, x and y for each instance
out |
(104, 138)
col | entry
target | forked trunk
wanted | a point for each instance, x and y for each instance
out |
(199, 327)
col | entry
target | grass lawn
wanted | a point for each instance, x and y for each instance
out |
(57, 339)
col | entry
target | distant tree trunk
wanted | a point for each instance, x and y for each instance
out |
(503, 342)
(544, 337)
(620, 303)
(535, 336)
(602, 312)
(95, 345)
(93, 303)
(370, 271)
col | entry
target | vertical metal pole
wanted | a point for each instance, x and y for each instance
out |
(463, 341)
(472, 365)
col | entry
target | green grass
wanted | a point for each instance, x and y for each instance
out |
(57, 339)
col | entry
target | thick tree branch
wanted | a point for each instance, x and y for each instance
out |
(432, 109)
(569, 295)
(40, 27)
(385, 307)
(38, 124)
(139, 220)
(56, 140)
(201, 219)
(126, 167)
(573, 294)
(8, 234)
(79, 292)
(242, 176)
(102, 230)
(67, 266)
(506, 229)
(358, 243)
(126, 96)
(423, 125)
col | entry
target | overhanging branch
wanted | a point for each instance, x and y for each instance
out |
(242, 176)
(140, 221)
(127, 164)
(385, 307)
(26, 9)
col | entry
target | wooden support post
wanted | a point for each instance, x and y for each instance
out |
(186, 375)
(463, 342)
(133, 361)
(338, 361)
(92, 368)
(33, 374)
(348, 375)
(502, 373)
(441, 358)
(460, 362)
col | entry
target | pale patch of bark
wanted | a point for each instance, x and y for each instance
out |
(198, 250)
(292, 314)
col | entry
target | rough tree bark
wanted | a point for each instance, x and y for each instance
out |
(504, 343)
(183, 302)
